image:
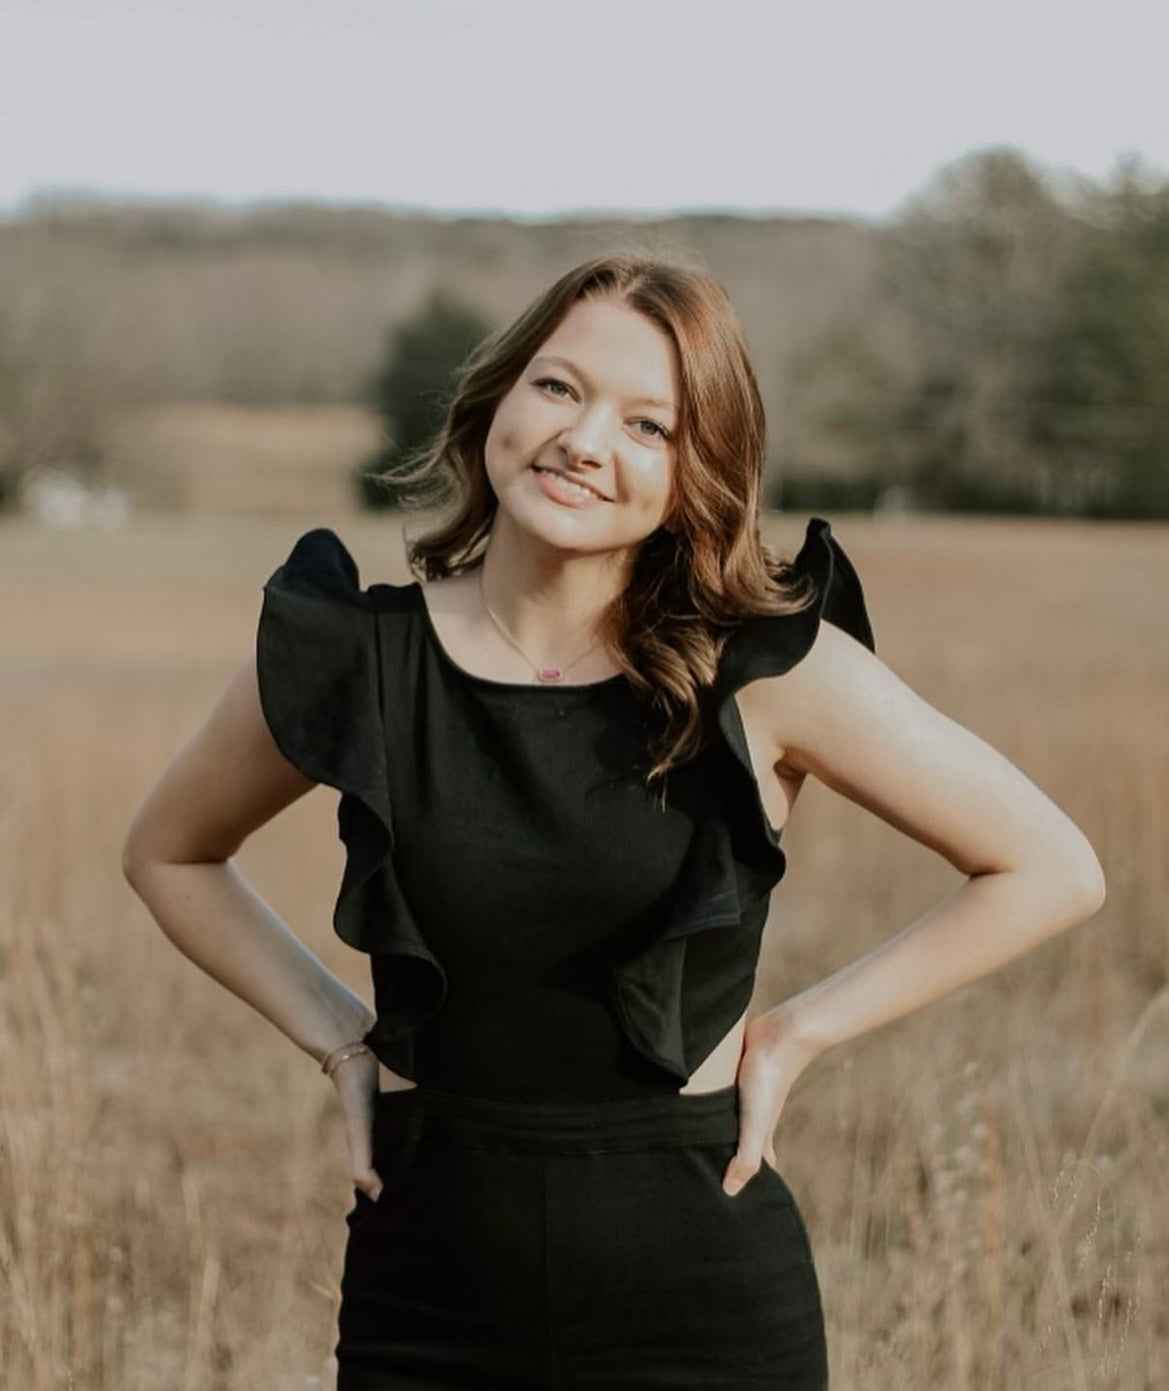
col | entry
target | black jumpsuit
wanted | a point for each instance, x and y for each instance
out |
(554, 950)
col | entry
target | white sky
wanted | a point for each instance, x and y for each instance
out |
(539, 107)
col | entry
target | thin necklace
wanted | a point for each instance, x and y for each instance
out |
(543, 673)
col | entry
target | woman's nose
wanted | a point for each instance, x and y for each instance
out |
(588, 437)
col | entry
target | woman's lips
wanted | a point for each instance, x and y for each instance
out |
(564, 491)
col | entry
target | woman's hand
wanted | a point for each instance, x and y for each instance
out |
(356, 1080)
(772, 1058)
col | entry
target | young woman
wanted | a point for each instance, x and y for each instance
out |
(565, 757)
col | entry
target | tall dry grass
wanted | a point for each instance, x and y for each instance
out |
(983, 1181)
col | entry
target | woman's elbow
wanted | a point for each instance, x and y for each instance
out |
(1062, 871)
(1077, 871)
(137, 855)
(132, 846)
(148, 843)
(1091, 884)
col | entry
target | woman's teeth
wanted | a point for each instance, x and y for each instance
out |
(563, 482)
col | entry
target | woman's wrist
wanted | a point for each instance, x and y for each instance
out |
(350, 1035)
(333, 1060)
(788, 1027)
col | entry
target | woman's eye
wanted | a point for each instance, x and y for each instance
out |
(550, 382)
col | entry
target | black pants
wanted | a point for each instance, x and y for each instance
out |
(579, 1244)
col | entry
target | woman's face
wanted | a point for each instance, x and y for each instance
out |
(597, 403)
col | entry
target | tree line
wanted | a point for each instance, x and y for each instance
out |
(999, 344)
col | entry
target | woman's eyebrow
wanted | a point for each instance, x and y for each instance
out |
(572, 367)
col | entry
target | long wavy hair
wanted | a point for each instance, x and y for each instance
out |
(706, 568)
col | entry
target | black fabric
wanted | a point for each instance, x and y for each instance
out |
(574, 1245)
(319, 668)
(537, 927)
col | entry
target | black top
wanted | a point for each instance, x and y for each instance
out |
(539, 926)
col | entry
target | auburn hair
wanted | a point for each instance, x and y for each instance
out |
(690, 585)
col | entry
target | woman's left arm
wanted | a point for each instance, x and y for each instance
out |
(845, 717)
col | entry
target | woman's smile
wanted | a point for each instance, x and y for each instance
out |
(569, 493)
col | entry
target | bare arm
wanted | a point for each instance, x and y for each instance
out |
(845, 717)
(228, 779)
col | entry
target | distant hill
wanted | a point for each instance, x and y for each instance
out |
(288, 304)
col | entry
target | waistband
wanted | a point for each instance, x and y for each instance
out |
(582, 1127)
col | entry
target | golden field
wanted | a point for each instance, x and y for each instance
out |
(984, 1181)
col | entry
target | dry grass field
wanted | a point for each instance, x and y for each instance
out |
(984, 1181)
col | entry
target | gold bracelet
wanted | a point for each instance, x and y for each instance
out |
(334, 1059)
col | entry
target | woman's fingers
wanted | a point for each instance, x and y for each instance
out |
(356, 1081)
(759, 1108)
(369, 1182)
(767, 1071)
(754, 1149)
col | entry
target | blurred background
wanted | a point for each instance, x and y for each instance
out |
(240, 255)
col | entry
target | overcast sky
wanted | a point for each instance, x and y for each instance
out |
(540, 107)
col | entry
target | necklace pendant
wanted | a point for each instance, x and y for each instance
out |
(549, 674)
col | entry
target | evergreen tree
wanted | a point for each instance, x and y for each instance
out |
(411, 388)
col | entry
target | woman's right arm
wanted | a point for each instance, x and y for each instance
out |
(228, 779)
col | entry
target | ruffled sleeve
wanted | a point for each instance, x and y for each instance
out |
(680, 995)
(318, 673)
(319, 666)
(771, 644)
